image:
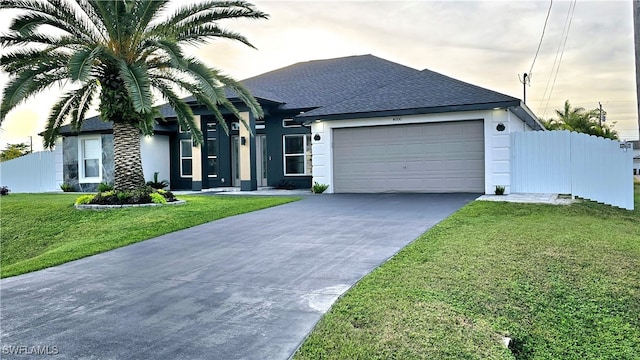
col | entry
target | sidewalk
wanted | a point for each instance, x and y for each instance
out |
(552, 199)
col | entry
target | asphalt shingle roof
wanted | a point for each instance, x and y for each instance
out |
(424, 90)
(96, 125)
(319, 83)
(363, 85)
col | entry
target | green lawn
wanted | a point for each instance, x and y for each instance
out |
(563, 281)
(43, 230)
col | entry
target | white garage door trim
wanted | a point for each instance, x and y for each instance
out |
(423, 157)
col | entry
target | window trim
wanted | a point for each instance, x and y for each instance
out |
(289, 123)
(306, 143)
(81, 158)
(182, 175)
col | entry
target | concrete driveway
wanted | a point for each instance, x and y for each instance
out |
(246, 287)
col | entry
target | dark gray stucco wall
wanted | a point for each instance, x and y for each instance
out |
(275, 170)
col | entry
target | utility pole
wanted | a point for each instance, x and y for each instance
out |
(525, 79)
(599, 104)
(636, 27)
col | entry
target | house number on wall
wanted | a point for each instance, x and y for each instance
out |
(397, 118)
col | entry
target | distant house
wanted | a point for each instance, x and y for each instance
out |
(358, 124)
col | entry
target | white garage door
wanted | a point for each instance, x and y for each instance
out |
(432, 157)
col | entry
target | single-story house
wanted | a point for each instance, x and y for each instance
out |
(358, 124)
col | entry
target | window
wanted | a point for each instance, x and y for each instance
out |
(212, 157)
(186, 158)
(90, 159)
(212, 150)
(297, 154)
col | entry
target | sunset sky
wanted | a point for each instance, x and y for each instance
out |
(486, 43)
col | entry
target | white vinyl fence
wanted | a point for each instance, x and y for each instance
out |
(566, 162)
(31, 173)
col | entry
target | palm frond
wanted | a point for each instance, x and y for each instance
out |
(81, 62)
(169, 48)
(86, 95)
(193, 9)
(203, 33)
(136, 80)
(63, 109)
(194, 23)
(243, 94)
(17, 40)
(20, 60)
(27, 84)
(107, 17)
(146, 126)
(183, 111)
(221, 13)
(58, 15)
(84, 22)
(204, 77)
(197, 92)
(145, 14)
(94, 19)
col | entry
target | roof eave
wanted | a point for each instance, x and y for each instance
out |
(414, 111)
(523, 112)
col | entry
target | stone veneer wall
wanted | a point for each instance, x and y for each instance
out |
(70, 163)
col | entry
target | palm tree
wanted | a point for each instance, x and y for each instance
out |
(579, 120)
(122, 52)
(573, 118)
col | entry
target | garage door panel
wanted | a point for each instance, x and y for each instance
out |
(475, 166)
(454, 165)
(433, 157)
(431, 166)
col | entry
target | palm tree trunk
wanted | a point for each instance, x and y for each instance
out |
(128, 173)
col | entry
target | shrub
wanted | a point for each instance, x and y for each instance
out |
(66, 187)
(145, 195)
(123, 197)
(499, 190)
(84, 199)
(168, 195)
(103, 187)
(141, 195)
(157, 184)
(4, 190)
(318, 188)
(158, 198)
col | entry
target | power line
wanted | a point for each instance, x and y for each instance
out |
(541, 37)
(559, 51)
(562, 53)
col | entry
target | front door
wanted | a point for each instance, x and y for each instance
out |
(261, 160)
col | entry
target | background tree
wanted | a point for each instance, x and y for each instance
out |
(122, 52)
(13, 151)
(579, 120)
